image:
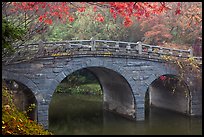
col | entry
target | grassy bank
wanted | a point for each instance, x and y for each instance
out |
(85, 89)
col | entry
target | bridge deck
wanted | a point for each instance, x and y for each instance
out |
(96, 48)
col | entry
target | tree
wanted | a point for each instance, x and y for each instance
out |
(64, 10)
(186, 26)
(10, 34)
(36, 17)
(182, 28)
(84, 27)
(156, 30)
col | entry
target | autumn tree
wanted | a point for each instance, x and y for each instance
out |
(36, 17)
(187, 25)
(156, 30)
(180, 25)
(84, 27)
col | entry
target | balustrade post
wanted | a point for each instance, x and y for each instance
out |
(80, 48)
(81, 43)
(93, 44)
(171, 52)
(191, 52)
(106, 46)
(139, 47)
(160, 51)
(41, 49)
(180, 53)
(150, 49)
(128, 48)
(117, 47)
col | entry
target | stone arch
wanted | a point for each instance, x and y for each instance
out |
(118, 103)
(67, 70)
(23, 97)
(119, 98)
(165, 92)
(22, 79)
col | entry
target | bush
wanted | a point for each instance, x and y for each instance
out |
(10, 34)
(15, 122)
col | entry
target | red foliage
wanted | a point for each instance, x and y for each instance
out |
(162, 78)
(61, 10)
(127, 22)
(48, 21)
(82, 9)
(71, 19)
(95, 9)
(178, 11)
(100, 18)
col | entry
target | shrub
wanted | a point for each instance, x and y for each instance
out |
(15, 122)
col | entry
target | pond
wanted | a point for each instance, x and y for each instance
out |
(84, 115)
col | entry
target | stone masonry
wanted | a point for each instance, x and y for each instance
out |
(130, 77)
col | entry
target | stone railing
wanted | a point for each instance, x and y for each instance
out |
(96, 48)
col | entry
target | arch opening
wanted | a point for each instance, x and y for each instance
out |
(170, 93)
(23, 98)
(117, 94)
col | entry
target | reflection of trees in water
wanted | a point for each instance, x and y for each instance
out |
(82, 116)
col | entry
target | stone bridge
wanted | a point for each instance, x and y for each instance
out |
(127, 73)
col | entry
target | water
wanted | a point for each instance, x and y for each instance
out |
(83, 115)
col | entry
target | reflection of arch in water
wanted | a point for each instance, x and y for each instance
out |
(23, 97)
(170, 94)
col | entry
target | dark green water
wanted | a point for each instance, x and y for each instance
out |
(83, 115)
